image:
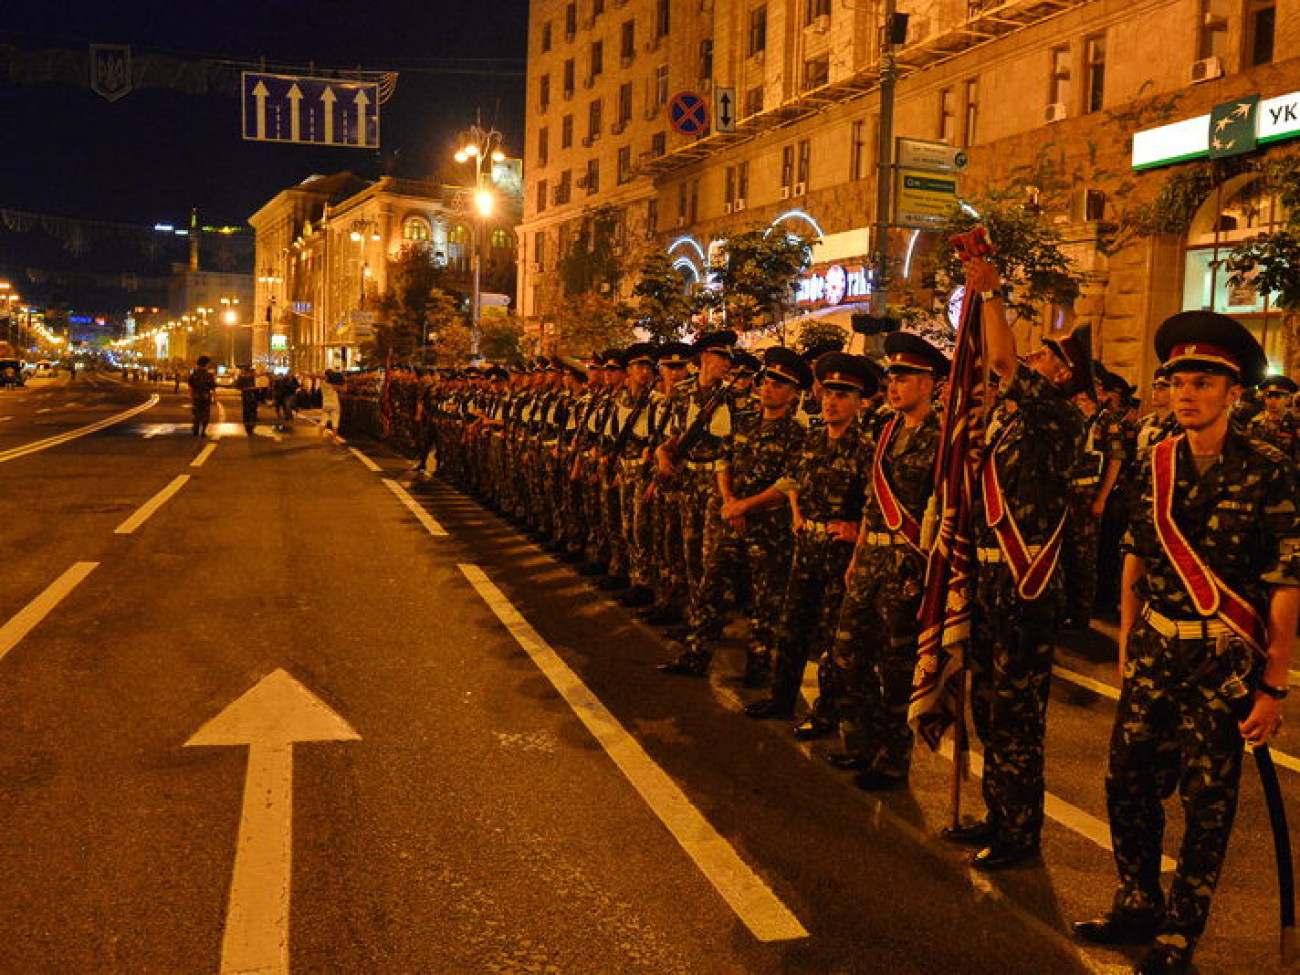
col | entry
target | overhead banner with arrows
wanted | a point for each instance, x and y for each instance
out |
(310, 111)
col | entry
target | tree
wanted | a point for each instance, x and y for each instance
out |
(452, 344)
(754, 273)
(591, 263)
(590, 322)
(1027, 253)
(815, 331)
(663, 306)
(1270, 262)
(501, 339)
(414, 308)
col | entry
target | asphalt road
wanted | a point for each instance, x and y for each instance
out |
(456, 757)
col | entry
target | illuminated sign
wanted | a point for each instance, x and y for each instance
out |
(1274, 119)
(923, 199)
(279, 343)
(832, 286)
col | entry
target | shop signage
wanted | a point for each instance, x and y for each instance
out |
(935, 157)
(1231, 128)
(832, 286)
(923, 199)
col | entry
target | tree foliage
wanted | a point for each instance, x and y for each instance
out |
(663, 304)
(589, 322)
(815, 331)
(591, 262)
(1270, 263)
(501, 339)
(755, 272)
(414, 307)
(1028, 253)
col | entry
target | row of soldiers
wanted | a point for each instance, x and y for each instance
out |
(800, 490)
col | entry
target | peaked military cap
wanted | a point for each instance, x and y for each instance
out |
(1278, 384)
(747, 364)
(839, 370)
(642, 352)
(722, 342)
(1205, 341)
(788, 366)
(611, 359)
(907, 352)
(1075, 350)
(496, 373)
(815, 352)
(674, 354)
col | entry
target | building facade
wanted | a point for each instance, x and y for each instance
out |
(1044, 98)
(323, 249)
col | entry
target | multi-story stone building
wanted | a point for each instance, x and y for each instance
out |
(1045, 97)
(323, 250)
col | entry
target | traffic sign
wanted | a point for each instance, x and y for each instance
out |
(688, 114)
(724, 109)
(923, 199)
(310, 111)
(936, 157)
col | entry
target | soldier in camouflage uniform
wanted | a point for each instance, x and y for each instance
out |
(665, 496)
(1208, 625)
(876, 638)
(1018, 592)
(1277, 424)
(754, 531)
(631, 428)
(1157, 425)
(610, 520)
(826, 489)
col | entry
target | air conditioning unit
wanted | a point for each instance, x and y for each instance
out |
(1206, 69)
(799, 189)
(726, 207)
(1055, 112)
(740, 204)
(784, 193)
(820, 24)
(681, 220)
(625, 61)
(651, 113)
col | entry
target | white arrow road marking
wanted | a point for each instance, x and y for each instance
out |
(268, 718)
(15, 452)
(426, 519)
(22, 623)
(149, 507)
(752, 900)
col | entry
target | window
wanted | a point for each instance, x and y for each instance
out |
(566, 132)
(787, 167)
(539, 248)
(1261, 21)
(652, 216)
(661, 19)
(694, 211)
(817, 8)
(627, 47)
(544, 92)
(541, 196)
(597, 8)
(947, 127)
(754, 100)
(564, 188)
(624, 163)
(593, 176)
(543, 146)
(570, 21)
(681, 203)
(757, 31)
(661, 86)
(804, 165)
(568, 78)
(597, 58)
(817, 72)
(546, 37)
(1212, 41)
(415, 228)
(742, 182)
(593, 120)
(858, 151)
(501, 240)
(729, 186)
(658, 144)
(624, 103)
(706, 59)
(1094, 73)
(1058, 82)
(970, 115)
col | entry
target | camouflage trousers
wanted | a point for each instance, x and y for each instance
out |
(874, 655)
(1176, 728)
(666, 541)
(700, 520)
(808, 613)
(763, 553)
(635, 513)
(1079, 555)
(1011, 670)
(611, 526)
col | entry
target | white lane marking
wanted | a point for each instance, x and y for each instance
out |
(204, 454)
(426, 519)
(753, 901)
(268, 718)
(26, 618)
(4, 419)
(366, 460)
(31, 448)
(46, 409)
(149, 507)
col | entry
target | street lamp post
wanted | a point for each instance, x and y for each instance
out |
(230, 317)
(483, 148)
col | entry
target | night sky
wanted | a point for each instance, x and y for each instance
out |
(155, 153)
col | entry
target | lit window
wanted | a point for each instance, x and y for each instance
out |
(415, 228)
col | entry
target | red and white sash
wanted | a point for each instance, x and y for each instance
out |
(1030, 572)
(1210, 594)
(896, 515)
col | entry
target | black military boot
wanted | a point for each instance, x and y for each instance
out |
(1119, 927)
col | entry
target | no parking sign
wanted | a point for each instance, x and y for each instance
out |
(687, 113)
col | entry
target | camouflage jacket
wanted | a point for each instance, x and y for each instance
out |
(909, 467)
(1241, 518)
(1151, 430)
(1036, 448)
(1103, 440)
(690, 398)
(759, 451)
(831, 474)
(1282, 433)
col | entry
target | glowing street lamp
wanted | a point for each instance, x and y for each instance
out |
(482, 148)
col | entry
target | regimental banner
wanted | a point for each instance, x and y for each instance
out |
(110, 70)
(1235, 127)
(310, 111)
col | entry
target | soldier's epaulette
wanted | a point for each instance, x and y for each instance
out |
(1267, 450)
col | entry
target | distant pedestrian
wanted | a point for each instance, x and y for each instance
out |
(203, 390)
(246, 383)
(329, 395)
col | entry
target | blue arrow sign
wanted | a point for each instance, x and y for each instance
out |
(310, 111)
(688, 114)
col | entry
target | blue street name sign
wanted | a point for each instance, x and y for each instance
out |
(310, 111)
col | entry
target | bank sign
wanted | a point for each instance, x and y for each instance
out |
(834, 285)
(1233, 128)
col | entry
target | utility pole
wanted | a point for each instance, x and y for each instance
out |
(884, 159)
